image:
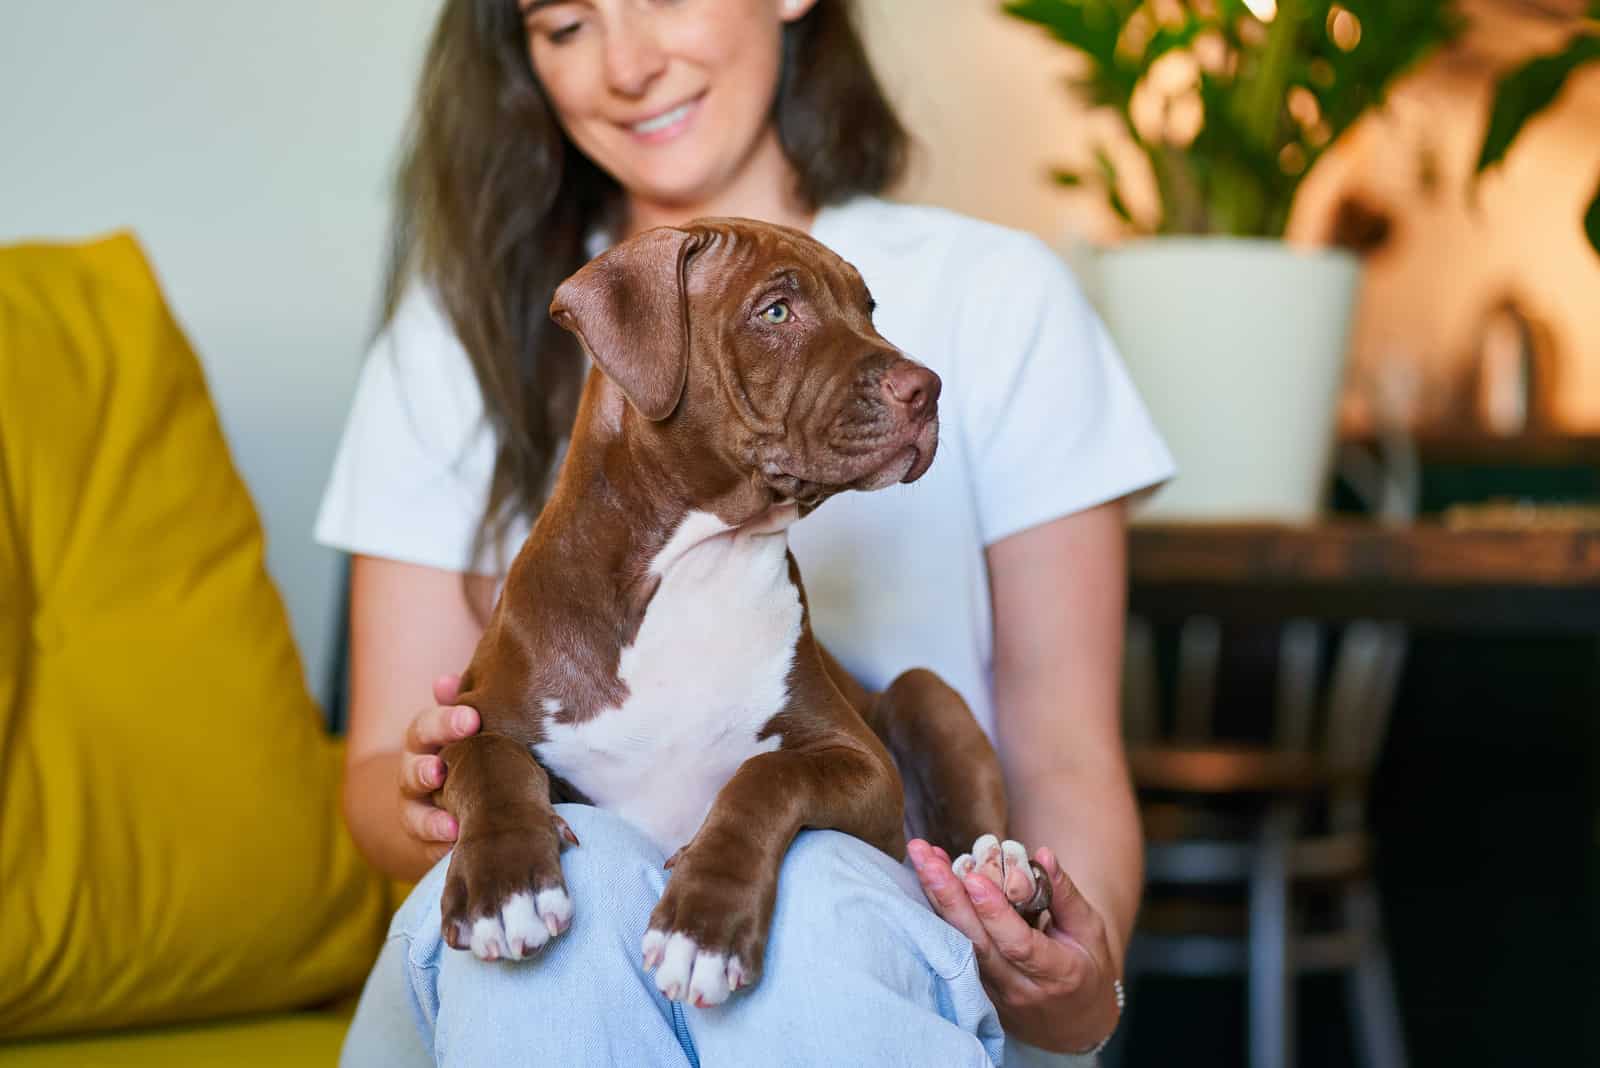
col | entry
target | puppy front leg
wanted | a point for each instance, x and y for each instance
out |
(708, 934)
(504, 896)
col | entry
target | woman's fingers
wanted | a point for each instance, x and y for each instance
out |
(949, 897)
(446, 688)
(420, 776)
(428, 823)
(1015, 940)
(435, 728)
(422, 772)
(1018, 963)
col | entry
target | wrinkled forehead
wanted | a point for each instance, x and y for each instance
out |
(742, 260)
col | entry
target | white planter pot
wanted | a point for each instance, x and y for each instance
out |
(1238, 348)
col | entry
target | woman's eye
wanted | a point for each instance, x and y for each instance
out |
(563, 34)
(777, 312)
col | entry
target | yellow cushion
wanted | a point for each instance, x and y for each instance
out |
(170, 842)
(302, 1039)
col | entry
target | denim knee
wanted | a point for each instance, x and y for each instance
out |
(471, 1011)
(859, 969)
(837, 883)
(615, 868)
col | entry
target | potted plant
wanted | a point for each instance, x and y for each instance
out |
(1236, 340)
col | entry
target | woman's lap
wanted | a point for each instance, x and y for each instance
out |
(858, 971)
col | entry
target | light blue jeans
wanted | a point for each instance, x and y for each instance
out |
(858, 971)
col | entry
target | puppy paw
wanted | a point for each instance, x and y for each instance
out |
(1007, 865)
(506, 905)
(517, 928)
(685, 971)
(705, 938)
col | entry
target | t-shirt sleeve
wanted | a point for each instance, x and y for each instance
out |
(1054, 422)
(411, 477)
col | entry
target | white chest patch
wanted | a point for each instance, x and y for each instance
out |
(707, 670)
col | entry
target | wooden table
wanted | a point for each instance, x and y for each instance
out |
(1425, 574)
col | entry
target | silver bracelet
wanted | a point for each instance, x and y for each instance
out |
(1098, 1047)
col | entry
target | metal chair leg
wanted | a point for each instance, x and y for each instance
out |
(1271, 981)
(1371, 985)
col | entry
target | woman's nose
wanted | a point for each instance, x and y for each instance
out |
(634, 57)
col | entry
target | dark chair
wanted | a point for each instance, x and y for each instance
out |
(1257, 852)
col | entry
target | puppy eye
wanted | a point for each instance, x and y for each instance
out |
(776, 312)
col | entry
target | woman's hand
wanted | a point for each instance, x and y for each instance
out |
(1052, 988)
(422, 771)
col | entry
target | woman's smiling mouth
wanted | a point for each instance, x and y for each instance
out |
(667, 124)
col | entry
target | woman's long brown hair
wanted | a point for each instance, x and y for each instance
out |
(494, 204)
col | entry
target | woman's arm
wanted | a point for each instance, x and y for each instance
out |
(411, 630)
(1059, 593)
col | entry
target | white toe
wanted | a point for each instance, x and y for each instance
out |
(963, 865)
(1016, 858)
(555, 910)
(709, 984)
(488, 940)
(655, 943)
(988, 860)
(525, 933)
(672, 978)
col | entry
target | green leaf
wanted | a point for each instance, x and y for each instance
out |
(1395, 37)
(1108, 174)
(1088, 27)
(1119, 206)
(1229, 178)
(1093, 28)
(1591, 221)
(1527, 91)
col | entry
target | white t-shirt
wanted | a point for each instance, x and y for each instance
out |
(1038, 419)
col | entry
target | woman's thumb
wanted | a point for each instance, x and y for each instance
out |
(1070, 913)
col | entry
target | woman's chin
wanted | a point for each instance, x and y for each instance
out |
(672, 175)
(664, 189)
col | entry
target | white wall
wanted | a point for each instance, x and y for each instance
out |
(249, 146)
(984, 96)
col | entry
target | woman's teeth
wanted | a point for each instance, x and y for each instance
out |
(662, 121)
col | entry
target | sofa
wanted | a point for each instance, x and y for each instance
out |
(176, 883)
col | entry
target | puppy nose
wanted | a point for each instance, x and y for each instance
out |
(912, 387)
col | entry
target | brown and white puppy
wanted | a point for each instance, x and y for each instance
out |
(650, 652)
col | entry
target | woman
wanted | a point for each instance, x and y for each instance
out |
(543, 132)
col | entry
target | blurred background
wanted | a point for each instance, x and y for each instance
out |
(1410, 379)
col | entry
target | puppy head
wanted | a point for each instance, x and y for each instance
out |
(749, 350)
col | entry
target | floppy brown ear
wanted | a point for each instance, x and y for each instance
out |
(630, 309)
